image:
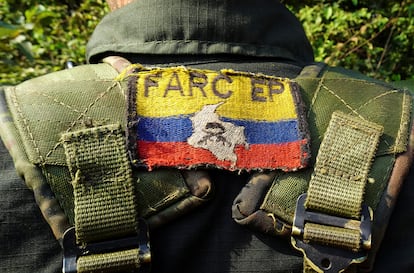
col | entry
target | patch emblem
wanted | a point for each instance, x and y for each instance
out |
(218, 137)
(185, 118)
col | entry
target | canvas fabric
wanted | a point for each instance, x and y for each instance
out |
(327, 98)
(228, 27)
(45, 150)
(158, 189)
(207, 240)
(33, 247)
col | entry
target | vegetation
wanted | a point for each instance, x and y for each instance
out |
(39, 38)
(374, 37)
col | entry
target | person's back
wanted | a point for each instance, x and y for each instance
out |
(78, 143)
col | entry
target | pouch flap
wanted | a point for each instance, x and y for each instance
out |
(43, 108)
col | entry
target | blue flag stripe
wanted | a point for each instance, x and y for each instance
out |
(179, 129)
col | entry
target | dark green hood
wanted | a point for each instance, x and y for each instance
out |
(263, 28)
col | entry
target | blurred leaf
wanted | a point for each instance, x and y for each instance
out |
(26, 48)
(374, 37)
(9, 31)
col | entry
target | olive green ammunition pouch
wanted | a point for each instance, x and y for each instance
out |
(359, 131)
(67, 133)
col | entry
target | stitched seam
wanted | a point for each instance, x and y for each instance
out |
(343, 101)
(26, 125)
(318, 89)
(370, 101)
(83, 114)
(362, 81)
(121, 90)
(59, 102)
(404, 113)
(376, 199)
(82, 80)
(377, 97)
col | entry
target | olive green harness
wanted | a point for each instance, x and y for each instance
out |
(66, 131)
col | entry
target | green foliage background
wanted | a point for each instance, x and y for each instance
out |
(374, 37)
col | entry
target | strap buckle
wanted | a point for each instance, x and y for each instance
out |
(72, 251)
(325, 257)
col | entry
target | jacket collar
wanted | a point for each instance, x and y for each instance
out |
(188, 27)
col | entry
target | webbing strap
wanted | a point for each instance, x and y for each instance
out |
(119, 261)
(342, 166)
(333, 236)
(337, 185)
(105, 207)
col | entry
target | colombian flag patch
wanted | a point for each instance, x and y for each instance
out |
(184, 118)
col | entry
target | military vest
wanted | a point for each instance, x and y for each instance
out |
(323, 150)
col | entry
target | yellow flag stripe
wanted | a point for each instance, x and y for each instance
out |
(181, 91)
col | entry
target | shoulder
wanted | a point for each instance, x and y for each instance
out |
(78, 74)
(63, 101)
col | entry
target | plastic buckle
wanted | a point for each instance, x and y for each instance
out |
(330, 258)
(72, 251)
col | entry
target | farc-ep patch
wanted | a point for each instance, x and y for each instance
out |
(181, 117)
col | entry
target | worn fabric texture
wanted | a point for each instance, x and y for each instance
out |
(186, 118)
(263, 37)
